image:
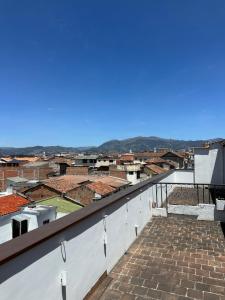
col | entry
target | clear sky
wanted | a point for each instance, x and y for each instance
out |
(82, 72)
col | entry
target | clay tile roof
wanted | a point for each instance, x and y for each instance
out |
(114, 182)
(156, 169)
(149, 154)
(11, 203)
(156, 160)
(28, 158)
(65, 183)
(127, 157)
(101, 188)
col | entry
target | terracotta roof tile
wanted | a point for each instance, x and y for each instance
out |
(155, 160)
(11, 203)
(101, 188)
(65, 183)
(127, 157)
(114, 182)
(156, 169)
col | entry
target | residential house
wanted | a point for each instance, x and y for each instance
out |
(76, 188)
(104, 161)
(17, 218)
(130, 172)
(93, 191)
(165, 164)
(152, 170)
(86, 160)
(170, 156)
(77, 170)
(38, 170)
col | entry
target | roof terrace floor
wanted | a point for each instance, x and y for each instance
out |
(174, 258)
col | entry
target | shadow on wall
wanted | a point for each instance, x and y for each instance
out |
(23, 260)
(217, 172)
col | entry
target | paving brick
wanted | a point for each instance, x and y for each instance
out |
(195, 294)
(211, 296)
(174, 258)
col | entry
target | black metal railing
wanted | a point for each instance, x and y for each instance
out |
(165, 194)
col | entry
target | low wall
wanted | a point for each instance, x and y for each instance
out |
(206, 212)
(83, 245)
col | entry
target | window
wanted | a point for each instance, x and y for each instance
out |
(15, 228)
(19, 227)
(24, 226)
(45, 221)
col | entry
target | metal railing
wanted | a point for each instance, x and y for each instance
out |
(193, 194)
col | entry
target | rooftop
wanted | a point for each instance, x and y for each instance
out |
(132, 253)
(17, 179)
(185, 261)
(113, 181)
(156, 169)
(101, 188)
(65, 183)
(36, 164)
(11, 203)
(63, 205)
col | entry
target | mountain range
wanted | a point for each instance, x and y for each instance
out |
(135, 144)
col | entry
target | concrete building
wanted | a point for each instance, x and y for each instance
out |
(17, 219)
(85, 160)
(209, 163)
(104, 161)
(129, 172)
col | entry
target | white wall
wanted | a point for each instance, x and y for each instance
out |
(86, 257)
(132, 177)
(35, 216)
(209, 165)
(160, 192)
(91, 247)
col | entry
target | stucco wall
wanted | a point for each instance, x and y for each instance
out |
(209, 165)
(83, 255)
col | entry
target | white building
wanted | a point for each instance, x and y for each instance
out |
(105, 161)
(26, 219)
(209, 163)
(132, 172)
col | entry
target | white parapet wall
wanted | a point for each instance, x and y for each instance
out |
(80, 254)
(204, 212)
(80, 247)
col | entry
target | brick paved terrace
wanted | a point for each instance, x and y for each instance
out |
(189, 196)
(174, 258)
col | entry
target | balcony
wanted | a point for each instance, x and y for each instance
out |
(88, 253)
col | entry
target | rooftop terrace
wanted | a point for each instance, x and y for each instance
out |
(118, 249)
(186, 261)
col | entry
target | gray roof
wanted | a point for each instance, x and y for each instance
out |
(36, 164)
(86, 156)
(17, 179)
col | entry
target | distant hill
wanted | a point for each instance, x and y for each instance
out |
(135, 144)
(147, 143)
(36, 150)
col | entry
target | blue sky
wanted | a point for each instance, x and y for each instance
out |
(83, 72)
